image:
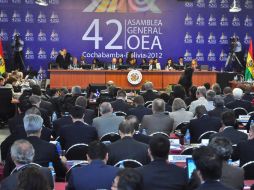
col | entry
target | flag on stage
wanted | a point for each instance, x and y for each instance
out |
(2, 62)
(249, 75)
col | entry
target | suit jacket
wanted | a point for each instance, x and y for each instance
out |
(201, 125)
(107, 124)
(14, 121)
(59, 123)
(244, 152)
(180, 116)
(120, 105)
(198, 102)
(140, 111)
(232, 176)
(77, 132)
(128, 148)
(240, 103)
(89, 116)
(46, 105)
(142, 138)
(63, 62)
(21, 134)
(232, 134)
(228, 98)
(96, 175)
(45, 152)
(150, 95)
(248, 97)
(217, 111)
(11, 182)
(158, 122)
(212, 185)
(161, 175)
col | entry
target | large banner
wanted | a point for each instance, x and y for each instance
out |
(111, 28)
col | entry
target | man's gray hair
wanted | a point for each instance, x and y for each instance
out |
(34, 99)
(22, 152)
(32, 123)
(237, 93)
(201, 90)
(178, 104)
(210, 95)
(148, 86)
(105, 107)
(76, 90)
(158, 105)
(218, 101)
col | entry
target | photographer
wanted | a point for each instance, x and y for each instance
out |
(17, 46)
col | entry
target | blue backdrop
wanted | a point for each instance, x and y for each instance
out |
(109, 28)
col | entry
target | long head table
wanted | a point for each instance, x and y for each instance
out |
(160, 79)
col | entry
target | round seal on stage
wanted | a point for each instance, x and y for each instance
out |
(134, 77)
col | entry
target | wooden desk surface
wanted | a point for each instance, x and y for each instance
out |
(161, 79)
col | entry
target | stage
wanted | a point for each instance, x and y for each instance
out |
(160, 79)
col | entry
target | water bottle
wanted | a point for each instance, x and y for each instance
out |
(187, 137)
(52, 170)
(97, 94)
(59, 148)
(144, 132)
(121, 166)
(54, 116)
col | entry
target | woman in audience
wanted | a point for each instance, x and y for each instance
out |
(179, 113)
(32, 179)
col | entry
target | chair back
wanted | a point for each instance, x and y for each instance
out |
(182, 127)
(248, 170)
(26, 166)
(148, 104)
(77, 152)
(159, 133)
(187, 151)
(128, 163)
(82, 163)
(251, 113)
(240, 111)
(206, 135)
(112, 137)
(120, 113)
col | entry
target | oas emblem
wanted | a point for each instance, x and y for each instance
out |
(134, 77)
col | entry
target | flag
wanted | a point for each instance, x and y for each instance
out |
(249, 75)
(2, 62)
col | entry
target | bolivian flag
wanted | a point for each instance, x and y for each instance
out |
(2, 62)
(249, 75)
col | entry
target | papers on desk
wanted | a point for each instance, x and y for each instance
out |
(243, 118)
(178, 158)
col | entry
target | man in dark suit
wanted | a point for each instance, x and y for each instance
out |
(228, 129)
(238, 93)
(140, 110)
(158, 121)
(149, 95)
(20, 133)
(244, 150)
(89, 114)
(22, 154)
(78, 131)
(232, 176)
(138, 136)
(159, 174)
(119, 104)
(45, 152)
(202, 124)
(127, 147)
(228, 96)
(60, 123)
(95, 175)
(219, 107)
(63, 59)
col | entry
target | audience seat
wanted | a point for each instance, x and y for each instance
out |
(83, 163)
(128, 163)
(249, 170)
(159, 133)
(120, 113)
(112, 137)
(240, 111)
(206, 135)
(77, 152)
